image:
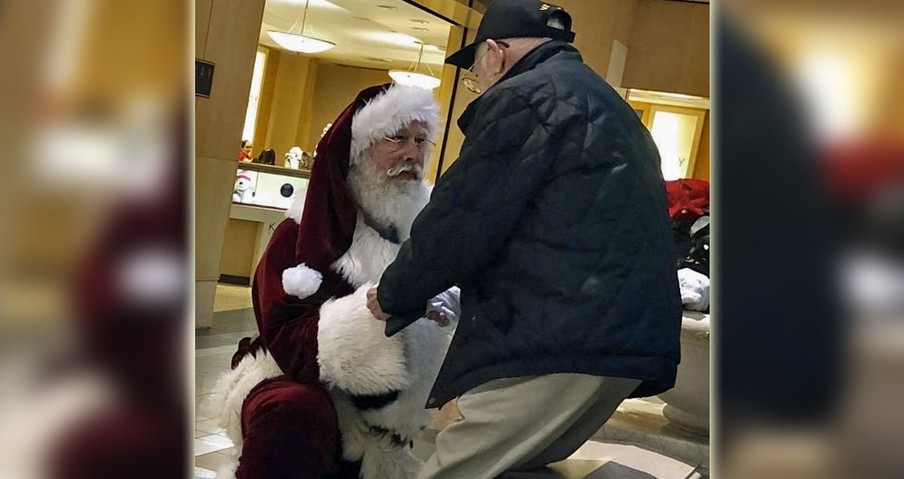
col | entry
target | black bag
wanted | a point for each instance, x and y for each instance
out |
(697, 257)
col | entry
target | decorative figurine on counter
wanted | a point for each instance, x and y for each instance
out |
(293, 157)
(322, 134)
(266, 157)
(244, 187)
(306, 161)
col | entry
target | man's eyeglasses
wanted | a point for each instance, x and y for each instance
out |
(397, 143)
(470, 78)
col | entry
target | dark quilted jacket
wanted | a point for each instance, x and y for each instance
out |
(553, 221)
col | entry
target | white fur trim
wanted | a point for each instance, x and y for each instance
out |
(389, 112)
(233, 387)
(301, 281)
(379, 457)
(352, 427)
(425, 347)
(353, 352)
(367, 257)
(297, 207)
(227, 468)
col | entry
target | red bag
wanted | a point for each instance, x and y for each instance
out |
(687, 199)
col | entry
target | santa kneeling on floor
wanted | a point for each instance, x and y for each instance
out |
(321, 392)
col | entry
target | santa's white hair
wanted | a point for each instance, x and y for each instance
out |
(387, 113)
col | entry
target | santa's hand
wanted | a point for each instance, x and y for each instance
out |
(374, 306)
(447, 305)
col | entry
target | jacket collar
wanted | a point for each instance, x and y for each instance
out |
(528, 62)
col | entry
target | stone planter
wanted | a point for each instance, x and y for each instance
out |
(687, 404)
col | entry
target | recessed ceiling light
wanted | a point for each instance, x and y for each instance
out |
(387, 7)
(419, 80)
(422, 22)
(420, 29)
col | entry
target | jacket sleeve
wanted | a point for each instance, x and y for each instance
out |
(288, 325)
(474, 207)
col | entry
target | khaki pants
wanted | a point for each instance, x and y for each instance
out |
(524, 423)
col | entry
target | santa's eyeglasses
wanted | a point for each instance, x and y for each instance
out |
(397, 143)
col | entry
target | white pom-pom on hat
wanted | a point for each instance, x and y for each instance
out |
(301, 281)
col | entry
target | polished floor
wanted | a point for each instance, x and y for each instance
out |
(233, 319)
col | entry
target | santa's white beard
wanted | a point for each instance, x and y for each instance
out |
(387, 200)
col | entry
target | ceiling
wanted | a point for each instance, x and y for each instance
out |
(380, 34)
(662, 98)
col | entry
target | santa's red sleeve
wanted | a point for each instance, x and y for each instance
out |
(287, 323)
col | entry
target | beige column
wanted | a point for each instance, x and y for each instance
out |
(664, 45)
(597, 24)
(227, 35)
(290, 90)
(669, 48)
(457, 103)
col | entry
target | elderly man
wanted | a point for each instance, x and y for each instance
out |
(322, 393)
(553, 223)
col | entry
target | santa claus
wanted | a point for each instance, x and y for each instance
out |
(322, 392)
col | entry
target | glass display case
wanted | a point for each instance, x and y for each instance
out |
(268, 186)
(260, 196)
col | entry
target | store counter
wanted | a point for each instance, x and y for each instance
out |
(261, 195)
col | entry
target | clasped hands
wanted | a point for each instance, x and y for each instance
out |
(442, 308)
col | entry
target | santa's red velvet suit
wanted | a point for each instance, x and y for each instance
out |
(322, 392)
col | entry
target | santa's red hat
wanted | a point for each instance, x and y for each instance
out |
(327, 224)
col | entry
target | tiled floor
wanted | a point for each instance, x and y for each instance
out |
(230, 297)
(640, 421)
(233, 320)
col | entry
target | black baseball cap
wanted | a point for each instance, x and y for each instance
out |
(515, 19)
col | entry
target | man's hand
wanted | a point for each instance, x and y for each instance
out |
(374, 306)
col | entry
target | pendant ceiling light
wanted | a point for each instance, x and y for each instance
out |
(411, 77)
(300, 42)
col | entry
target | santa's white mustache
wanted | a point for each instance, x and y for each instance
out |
(403, 167)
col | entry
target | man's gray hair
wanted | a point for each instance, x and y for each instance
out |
(520, 46)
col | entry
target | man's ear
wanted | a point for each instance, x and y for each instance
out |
(498, 56)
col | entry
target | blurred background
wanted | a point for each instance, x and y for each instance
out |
(95, 264)
(809, 218)
(94, 271)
